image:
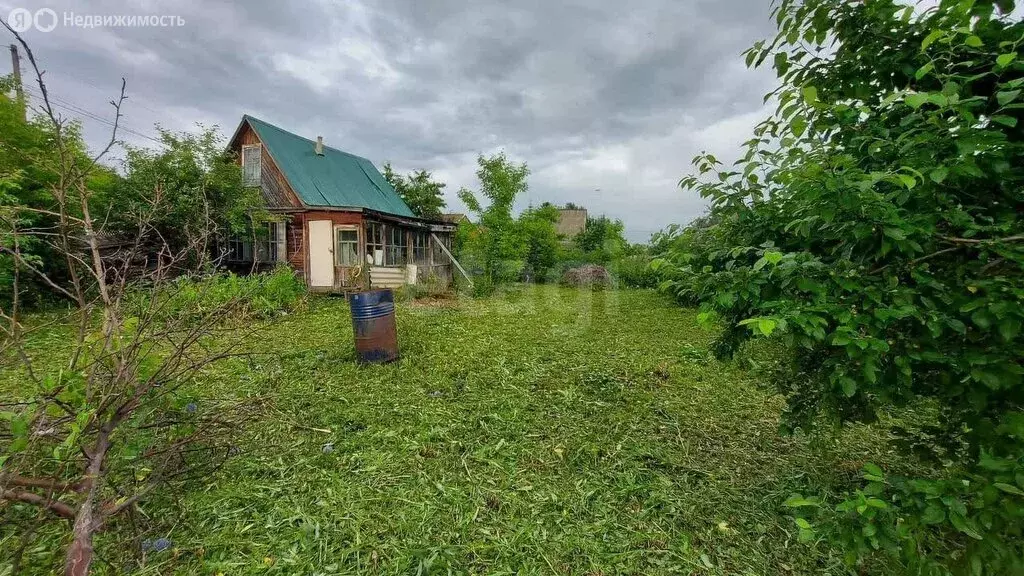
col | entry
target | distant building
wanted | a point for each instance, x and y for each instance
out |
(454, 218)
(571, 221)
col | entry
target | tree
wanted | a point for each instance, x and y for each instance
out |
(542, 245)
(110, 426)
(29, 168)
(199, 184)
(874, 229)
(602, 240)
(499, 241)
(421, 194)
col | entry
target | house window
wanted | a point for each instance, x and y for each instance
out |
(420, 248)
(276, 245)
(395, 252)
(239, 250)
(346, 252)
(375, 243)
(270, 244)
(251, 164)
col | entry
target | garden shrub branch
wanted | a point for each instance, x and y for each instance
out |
(873, 228)
(111, 426)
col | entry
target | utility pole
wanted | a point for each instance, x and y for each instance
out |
(18, 91)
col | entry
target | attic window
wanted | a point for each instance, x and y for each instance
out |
(251, 165)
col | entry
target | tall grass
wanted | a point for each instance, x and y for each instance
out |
(254, 296)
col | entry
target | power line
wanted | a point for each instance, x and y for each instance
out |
(71, 107)
(131, 99)
(94, 116)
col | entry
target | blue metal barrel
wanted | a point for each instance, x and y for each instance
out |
(373, 321)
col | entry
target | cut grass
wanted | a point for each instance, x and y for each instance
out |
(548, 430)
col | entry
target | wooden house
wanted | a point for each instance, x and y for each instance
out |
(335, 219)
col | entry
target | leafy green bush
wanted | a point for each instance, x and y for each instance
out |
(537, 226)
(602, 240)
(498, 245)
(279, 290)
(686, 249)
(635, 271)
(483, 286)
(874, 228)
(254, 296)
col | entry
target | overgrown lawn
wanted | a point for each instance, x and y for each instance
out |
(546, 430)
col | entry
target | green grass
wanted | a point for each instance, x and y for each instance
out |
(545, 431)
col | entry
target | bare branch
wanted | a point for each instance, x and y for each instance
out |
(59, 508)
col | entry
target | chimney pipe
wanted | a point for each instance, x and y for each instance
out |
(319, 145)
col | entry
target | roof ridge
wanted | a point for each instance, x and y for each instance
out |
(290, 133)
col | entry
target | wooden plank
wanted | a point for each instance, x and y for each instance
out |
(454, 261)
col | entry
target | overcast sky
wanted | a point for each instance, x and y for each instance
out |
(607, 101)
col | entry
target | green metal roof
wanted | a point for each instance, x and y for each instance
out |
(337, 179)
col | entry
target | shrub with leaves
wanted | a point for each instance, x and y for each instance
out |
(111, 424)
(634, 271)
(497, 247)
(537, 227)
(253, 296)
(419, 191)
(602, 240)
(874, 226)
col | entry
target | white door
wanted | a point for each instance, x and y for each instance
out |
(321, 254)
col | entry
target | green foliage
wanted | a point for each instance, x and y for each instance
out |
(199, 183)
(483, 286)
(537, 226)
(602, 241)
(254, 295)
(465, 236)
(199, 186)
(681, 252)
(633, 269)
(421, 194)
(29, 166)
(498, 247)
(589, 431)
(874, 228)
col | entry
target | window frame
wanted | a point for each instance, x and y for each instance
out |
(271, 248)
(255, 179)
(237, 247)
(396, 248)
(420, 248)
(277, 241)
(338, 230)
(374, 232)
(271, 243)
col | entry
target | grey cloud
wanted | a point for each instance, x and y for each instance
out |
(606, 100)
